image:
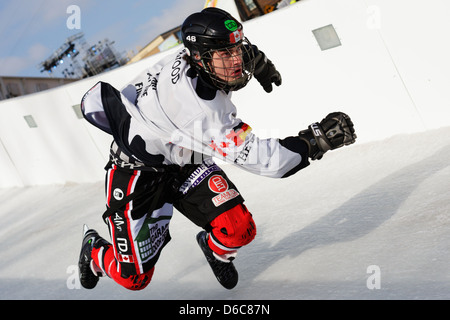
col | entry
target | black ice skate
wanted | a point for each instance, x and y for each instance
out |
(87, 276)
(225, 272)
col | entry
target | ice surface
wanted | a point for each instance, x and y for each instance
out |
(384, 204)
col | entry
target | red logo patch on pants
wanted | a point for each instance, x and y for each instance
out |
(217, 184)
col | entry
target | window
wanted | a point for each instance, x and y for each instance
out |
(41, 86)
(13, 90)
(250, 4)
(30, 121)
(77, 109)
(327, 37)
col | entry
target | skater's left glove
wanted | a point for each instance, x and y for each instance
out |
(334, 131)
(265, 71)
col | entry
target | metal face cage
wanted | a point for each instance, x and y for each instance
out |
(229, 68)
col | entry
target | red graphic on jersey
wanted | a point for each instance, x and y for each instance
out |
(217, 184)
(235, 138)
(220, 148)
(239, 133)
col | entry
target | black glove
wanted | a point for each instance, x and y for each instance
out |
(265, 71)
(334, 131)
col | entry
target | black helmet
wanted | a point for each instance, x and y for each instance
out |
(211, 34)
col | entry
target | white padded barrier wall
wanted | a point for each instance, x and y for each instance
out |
(386, 74)
(390, 74)
(61, 148)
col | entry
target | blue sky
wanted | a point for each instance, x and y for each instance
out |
(31, 30)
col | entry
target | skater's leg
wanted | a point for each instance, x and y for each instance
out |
(230, 231)
(97, 259)
(139, 229)
(103, 257)
(210, 200)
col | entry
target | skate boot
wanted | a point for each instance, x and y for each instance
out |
(89, 273)
(225, 272)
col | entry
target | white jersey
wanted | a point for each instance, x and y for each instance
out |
(167, 115)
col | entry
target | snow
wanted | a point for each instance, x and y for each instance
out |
(320, 232)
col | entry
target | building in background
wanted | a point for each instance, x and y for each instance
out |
(241, 9)
(11, 87)
(75, 59)
(161, 43)
(248, 9)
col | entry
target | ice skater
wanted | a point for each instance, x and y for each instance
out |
(167, 126)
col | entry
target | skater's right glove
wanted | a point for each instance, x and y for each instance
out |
(334, 131)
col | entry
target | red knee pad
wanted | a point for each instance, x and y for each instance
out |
(108, 264)
(232, 229)
(136, 282)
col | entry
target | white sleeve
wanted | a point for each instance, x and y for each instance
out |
(225, 137)
(265, 157)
